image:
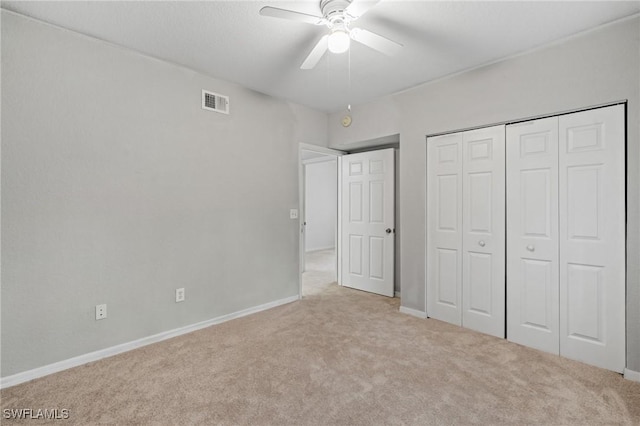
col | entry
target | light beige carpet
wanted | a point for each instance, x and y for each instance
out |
(337, 357)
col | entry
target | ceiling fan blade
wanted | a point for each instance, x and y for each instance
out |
(357, 8)
(291, 15)
(317, 53)
(375, 41)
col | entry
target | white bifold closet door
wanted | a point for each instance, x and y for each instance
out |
(465, 229)
(444, 228)
(592, 237)
(566, 235)
(532, 240)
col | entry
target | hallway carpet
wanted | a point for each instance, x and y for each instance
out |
(319, 271)
(336, 357)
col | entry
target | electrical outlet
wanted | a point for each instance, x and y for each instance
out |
(293, 213)
(179, 294)
(101, 311)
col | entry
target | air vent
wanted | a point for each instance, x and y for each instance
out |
(215, 102)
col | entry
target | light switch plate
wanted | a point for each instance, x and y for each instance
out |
(179, 294)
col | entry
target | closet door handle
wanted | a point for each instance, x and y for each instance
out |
(530, 247)
(481, 243)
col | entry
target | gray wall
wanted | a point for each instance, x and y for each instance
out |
(597, 67)
(118, 188)
(370, 122)
(321, 204)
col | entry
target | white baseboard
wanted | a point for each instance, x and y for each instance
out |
(634, 376)
(35, 373)
(413, 312)
(397, 294)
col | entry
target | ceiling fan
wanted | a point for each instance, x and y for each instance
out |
(337, 15)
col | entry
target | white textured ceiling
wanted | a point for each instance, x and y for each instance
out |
(231, 41)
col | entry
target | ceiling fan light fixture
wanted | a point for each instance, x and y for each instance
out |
(339, 41)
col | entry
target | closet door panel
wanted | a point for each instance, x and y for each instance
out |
(532, 237)
(592, 237)
(444, 223)
(483, 306)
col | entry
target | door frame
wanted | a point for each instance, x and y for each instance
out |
(301, 202)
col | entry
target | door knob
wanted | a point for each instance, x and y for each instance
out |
(530, 247)
(388, 230)
(481, 243)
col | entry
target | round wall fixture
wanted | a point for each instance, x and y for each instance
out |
(346, 121)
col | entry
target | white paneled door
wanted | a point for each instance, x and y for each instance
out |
(465, 229)
(368, 222)
(566, 235)
(444, 228)
(592, 237)
(483, 229)
(532, 239)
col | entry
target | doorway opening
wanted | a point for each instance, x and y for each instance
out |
(319, 178)
(321, 265)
